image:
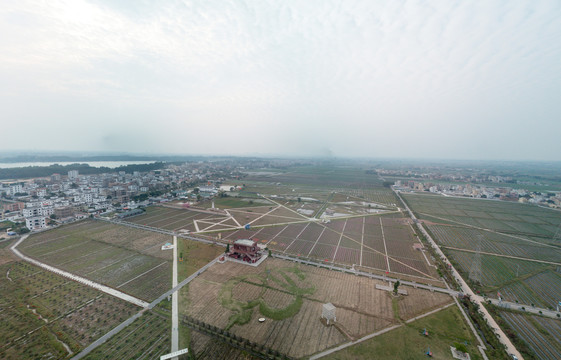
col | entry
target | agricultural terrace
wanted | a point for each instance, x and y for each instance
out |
(233, 296)
(45, 315)
(374, 243)
(524, 220)
(541, 335)
(124, 258)
(148, 337)
(445, 328)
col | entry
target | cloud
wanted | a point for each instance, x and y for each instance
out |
(354, 77)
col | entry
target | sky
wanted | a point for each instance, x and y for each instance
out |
(376, 79)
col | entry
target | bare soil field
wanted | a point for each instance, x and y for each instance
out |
(233, 296)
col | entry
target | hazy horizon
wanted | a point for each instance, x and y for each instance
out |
(447, 80)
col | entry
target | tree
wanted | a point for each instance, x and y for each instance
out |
(53, 216)
(395, 286)
(299, 199)
(228, 248)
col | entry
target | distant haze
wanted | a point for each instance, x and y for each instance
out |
(434, 79)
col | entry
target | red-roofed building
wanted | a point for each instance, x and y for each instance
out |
(246, 250)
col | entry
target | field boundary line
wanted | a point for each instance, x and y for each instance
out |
(501, 255)
(362, 240)
(378, 333)
(287, 208)
(236, 221)
(340, 238)
(144, 273)
(90, 283)
(490, 230)
(130, 320)
(277, 234)
(385, 248)
(296, 238)
(315, 243)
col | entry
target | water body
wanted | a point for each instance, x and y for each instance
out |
(109, 164)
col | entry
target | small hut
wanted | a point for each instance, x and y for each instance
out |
(328, 313)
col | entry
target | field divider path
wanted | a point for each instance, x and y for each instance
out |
(492, 231)
(263, 215)
(277, 234)
(100, 287)
(340, 238)
(378, 333)
(296, 238)
(385, 248)
(233, 218)
(501, 255)
(362, 240)
(286, 207)
(315, 243)
(130, 320)
(213, 224)
(144, 273)
(422, 251)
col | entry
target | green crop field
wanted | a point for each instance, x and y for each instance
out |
(124, 258)
(506, 217)
(446, 328)
(41, 311)
(148, 337)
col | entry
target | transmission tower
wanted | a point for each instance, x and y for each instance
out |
(557, 236)
(475, 271)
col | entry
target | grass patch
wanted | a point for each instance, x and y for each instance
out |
(281, 281)
(445, 328)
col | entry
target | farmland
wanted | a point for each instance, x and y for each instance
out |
(41, 311)
(509, 218)
(407, 342)
(375, 243)
(148, 337)
(541, 335)
(121, 257)
(229, 296)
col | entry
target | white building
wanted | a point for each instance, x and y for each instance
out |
(73, 174)
(14, 189)
(35, 211)
(35, 223)
(87, 198)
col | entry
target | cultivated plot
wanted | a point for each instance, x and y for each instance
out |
(128, 259)
(44, 315)
(232, 296)
(543, 336)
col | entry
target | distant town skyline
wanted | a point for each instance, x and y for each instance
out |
(414, 80)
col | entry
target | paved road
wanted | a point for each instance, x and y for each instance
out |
(511, 349)
(105, 289)
(174, 303)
